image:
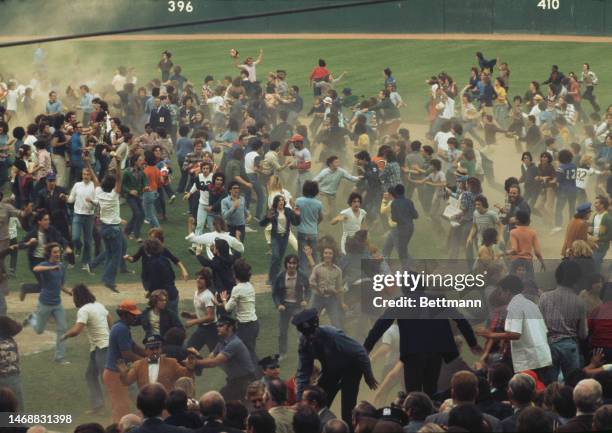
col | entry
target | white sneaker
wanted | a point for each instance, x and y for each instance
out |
(86, 268)
(190, 236)
(556, 230)
(248, 229)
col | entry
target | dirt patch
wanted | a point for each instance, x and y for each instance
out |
(30, 342)
(342, 36)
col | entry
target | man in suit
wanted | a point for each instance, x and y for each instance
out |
(160, 116)
(212, 407)
(343, 361)
(155, 368)
(425, 341)
(151, 402)
(587, 398)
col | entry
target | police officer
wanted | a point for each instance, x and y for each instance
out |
(270, 367)
(233, 357)
(343, 361)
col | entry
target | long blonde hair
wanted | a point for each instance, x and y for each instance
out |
(581, 249)
(274, 184)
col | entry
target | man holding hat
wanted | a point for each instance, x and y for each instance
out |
(155, 368)
(577, 229)
(121, 346)
(233, 357)
(343, 361)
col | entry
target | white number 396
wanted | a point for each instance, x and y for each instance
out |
(549, 4)
(181, 6)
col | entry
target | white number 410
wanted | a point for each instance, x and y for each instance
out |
(182, 6)
(549, 4)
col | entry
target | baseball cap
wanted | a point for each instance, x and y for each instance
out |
(296, 137)
(153, 340)
(129, 306)
(328, 100)
(51, 176)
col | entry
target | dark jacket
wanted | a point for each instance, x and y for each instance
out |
(157, 273)
(52, 203)
(423, 333)
(52, 234)
(223, 272)
(279, 291)
(580, 423)
(167, 319)
(184, 419)
(290, 217)
(156, 425)
(217, 427)
(161, 117)
(403, 211)
(337, 352)
(214, 198)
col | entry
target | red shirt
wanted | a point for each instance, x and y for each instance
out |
(600, 326)
(153, 177)
(319, 73)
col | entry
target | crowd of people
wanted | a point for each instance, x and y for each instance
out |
(83, 174)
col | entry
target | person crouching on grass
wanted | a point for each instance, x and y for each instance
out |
(52, 273)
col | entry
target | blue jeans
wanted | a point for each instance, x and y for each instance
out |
(303, 240)
(332, 306)
(113, 246)
(279, 247)
(390, 243)
(148, 200)
(93, 376)
(261, 197)
(564, 197)
(565, 357)
(135, 223)
(83, 224)
(39, 320)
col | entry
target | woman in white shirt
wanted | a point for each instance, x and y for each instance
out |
(83, 196)
(352, 218)
(242, 303)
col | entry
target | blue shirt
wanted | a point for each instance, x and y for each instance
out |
(184, 145)
(119, 340)
(51, 283)
(310, 209)
(233, 217)
(53, 107)
(86, 103)
(76, 150)
(566, 177)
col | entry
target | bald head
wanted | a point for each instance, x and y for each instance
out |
(212, 405)
(37, 429)
(128, 422)
(587, 395)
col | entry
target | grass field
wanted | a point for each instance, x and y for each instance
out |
(54, 389)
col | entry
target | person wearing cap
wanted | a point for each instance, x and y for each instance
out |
(121, 346)
(270, 366)
(302, 160)
(577, 229)
(391, 414)
(344, 361)
(233, 357)
(155, 367)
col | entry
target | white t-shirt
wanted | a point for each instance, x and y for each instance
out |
(285, 194)
(79, 194)
(302, 155)
(154, 372)
(218, 103)
(201, 302)
(208, 239)
(352, 224)
(93, 316)
(251, 70)
(535, 111)
(441, 140)
(242, 301)
(118, 82)
(596, 222)
(109, 206)
(582, 177)
(449, 109)
(11, 100)
(249, 162)
(392, 338)
(531, 351)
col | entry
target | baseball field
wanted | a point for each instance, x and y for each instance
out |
(50, 388)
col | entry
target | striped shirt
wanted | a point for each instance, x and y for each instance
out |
(564, 314)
